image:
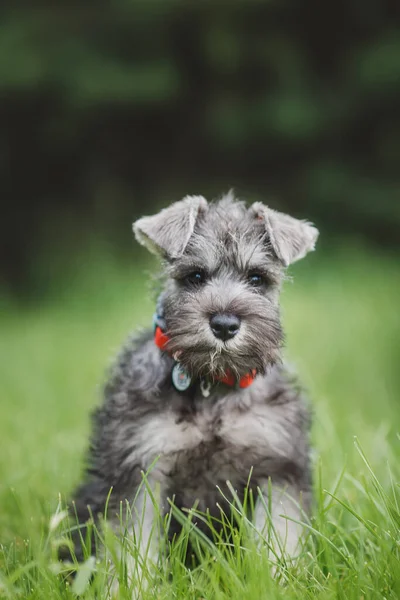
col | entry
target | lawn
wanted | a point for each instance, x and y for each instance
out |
(342, 321)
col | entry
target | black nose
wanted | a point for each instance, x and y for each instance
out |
(224, 327)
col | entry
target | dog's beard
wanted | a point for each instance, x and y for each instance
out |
(256, 347)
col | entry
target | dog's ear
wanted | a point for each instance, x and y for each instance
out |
(290, 238)
(167, 233)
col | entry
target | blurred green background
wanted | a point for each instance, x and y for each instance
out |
(111, 109)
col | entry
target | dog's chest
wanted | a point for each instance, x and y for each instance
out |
(217, 438)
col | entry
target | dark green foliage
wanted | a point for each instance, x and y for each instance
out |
(109, 107)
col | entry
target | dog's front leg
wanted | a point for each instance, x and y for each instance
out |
(277, 508)
(141, 538)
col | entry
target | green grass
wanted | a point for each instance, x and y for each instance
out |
(343, 336)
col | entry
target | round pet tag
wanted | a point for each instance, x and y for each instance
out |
(180, 378)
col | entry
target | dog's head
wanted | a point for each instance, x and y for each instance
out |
(224, 264)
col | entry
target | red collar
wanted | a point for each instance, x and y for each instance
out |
(161, 340)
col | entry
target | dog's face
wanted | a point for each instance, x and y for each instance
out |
(224, 266)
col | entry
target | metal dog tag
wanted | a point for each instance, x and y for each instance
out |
(205, 387)
(180, 378)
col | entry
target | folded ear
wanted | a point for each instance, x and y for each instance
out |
(290, 238)
(167, 233)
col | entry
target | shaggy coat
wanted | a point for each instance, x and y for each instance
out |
(195, 447)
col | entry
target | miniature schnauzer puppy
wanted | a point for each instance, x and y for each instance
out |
(202, 405)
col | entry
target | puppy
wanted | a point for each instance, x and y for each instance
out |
(202, 403)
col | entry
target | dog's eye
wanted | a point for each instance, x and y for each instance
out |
(256, 280)
(195, 278)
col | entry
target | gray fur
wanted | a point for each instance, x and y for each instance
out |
(290, 238)
(195, 444)
(168, 232)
